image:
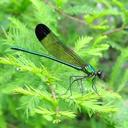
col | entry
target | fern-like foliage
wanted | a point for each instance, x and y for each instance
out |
(33, 88)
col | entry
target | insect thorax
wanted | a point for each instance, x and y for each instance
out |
(89, 69)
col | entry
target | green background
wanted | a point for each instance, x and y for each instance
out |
(31, 87)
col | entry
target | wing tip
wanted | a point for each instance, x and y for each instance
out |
(41, 31)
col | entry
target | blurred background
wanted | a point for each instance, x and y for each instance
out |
(31, 87)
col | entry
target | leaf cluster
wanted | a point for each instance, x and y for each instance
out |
(32, 88)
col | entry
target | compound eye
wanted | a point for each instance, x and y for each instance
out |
(100, 74)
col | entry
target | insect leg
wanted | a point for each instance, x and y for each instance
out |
(79, 81)
(93, 85)
(71, 81)
(81, 86)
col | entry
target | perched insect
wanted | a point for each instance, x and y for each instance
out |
(63, 55)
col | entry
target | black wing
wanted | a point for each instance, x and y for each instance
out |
(56, 47)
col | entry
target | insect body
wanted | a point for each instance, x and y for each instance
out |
(62, 54)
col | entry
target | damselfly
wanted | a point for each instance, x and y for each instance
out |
(64, 55)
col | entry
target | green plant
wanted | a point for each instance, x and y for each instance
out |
(97, 31)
